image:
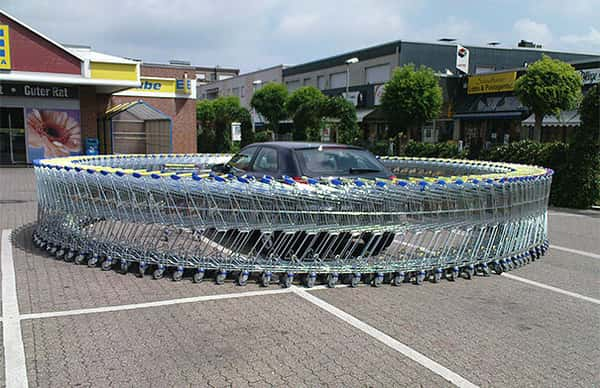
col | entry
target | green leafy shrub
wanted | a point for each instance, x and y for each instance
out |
(263, 136)
(436, 150)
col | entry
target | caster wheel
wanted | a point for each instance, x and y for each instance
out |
(92, 261)
(265, 279)
(504, 265)
(221, 276)
(419, 277)
(287, 279)
(398, 279)
(355, 280)
(107, 264)
(198, 276)
(453, 274)
(485, 270)
(159, 272)
(437, 275)
(79, 259)
(469, 271)
(124, 267)
(310, 280)
(142, 267)
(243, 278)
(60, 253)
(378, 279)
(69, 256)
(332, 279)
(42, 245)
(52, 249)
(178, 274)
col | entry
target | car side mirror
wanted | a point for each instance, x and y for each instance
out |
(222, 168)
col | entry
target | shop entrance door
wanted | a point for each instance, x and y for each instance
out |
(12, 136)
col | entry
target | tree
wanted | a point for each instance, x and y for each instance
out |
(205, 115)
(583, 158)
(411, 98)
(269, 101)
(245, 119)
(347, 128)
(548, 86)
(305, 106)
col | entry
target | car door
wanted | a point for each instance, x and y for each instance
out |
(266, 162)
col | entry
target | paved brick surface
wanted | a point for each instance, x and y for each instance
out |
(565, 270)
(493, 331)
(17, 197)
(259, 341)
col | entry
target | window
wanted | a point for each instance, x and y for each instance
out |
(266, 161)
(292, 85)
(200, 76)
(337, 162)
(236, 91)
(242, 160)
(377, 74)
(224, 76)
(482, 69)
(321, 84)
(337, 80)
(243, 94)
(306, 81)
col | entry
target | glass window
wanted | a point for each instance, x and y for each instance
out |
(266, 161)
(337, 161)
(292, 85)
(306, 82)
(482, 69)
(321, 82)
(242, 160)
(377, 74)
(337, 80)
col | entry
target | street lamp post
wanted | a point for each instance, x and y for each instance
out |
(349, 62)
(255, 86)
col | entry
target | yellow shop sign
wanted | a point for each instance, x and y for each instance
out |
(491, 83)
(4, 48)
(156, 85)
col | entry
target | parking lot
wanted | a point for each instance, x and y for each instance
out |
(66, 324)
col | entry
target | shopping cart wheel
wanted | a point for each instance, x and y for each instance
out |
(142, 267)
(221, 276)
(79, 259)
(52, 249)
(378, 279)
(287, 279)
(419, 277)
(69, 256)
(92, 261)
(355, 279)
(452, 275)
(178, 274)
(504, 265)
(159, 272)
(310, 280)
(398, 279)
(124, 266)
(469, 271)
(42, 244)
(437, 275)
(485, 270)
(60, 253)
(198, 276)
(332, 279)
(265, 278)
(243, 278)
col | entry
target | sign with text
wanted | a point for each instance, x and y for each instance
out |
(462, 59)
(39, 91)
(163, 87)
(491, 83)
(590, 76)
(4, 48)
(378, 94)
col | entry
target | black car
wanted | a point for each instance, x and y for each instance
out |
(298, 159)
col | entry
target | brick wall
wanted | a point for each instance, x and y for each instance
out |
(30, 52)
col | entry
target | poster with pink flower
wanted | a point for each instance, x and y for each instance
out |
(53, 133)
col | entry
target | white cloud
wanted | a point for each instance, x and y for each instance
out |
(528, 29)
(592, 38)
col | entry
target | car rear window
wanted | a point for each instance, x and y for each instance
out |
(324, 161)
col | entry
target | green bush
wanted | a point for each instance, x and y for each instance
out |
(436, 150)
(262, 136)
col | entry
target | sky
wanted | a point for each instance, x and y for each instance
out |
(254, 34)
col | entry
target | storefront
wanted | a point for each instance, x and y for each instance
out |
(53, 97)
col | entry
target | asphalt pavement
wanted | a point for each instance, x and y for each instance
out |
(69, 325)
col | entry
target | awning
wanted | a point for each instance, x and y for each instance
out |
(139, 109)
(362, 113)
(488, 115)
(568, 118)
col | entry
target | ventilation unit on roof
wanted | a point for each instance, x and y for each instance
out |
(179, 62)
(528, 44)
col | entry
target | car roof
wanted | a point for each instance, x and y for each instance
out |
(294, 145)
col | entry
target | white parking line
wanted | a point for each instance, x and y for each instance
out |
(15, 369)
(576, 251)
(168, 302)
(551, 288)
(428, 363)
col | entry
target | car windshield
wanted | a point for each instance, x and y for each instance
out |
(325, 161)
